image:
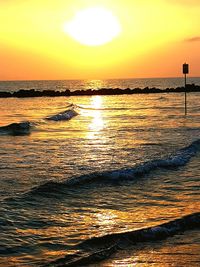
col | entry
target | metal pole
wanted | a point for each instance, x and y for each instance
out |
(185, 97)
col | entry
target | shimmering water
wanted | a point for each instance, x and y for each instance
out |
(132, 162)
(62, 85)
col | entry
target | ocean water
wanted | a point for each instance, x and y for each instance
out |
(62, 85)
(84, 168)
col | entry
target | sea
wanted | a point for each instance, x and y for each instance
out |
(72, 85)
(101, 181)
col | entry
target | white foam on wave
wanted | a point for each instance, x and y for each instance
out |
(96, 249)
(181, 158)
(65, 115)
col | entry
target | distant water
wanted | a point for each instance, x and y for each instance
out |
(76, 171)
(62, 85)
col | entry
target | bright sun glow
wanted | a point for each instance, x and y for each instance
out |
(93, 26)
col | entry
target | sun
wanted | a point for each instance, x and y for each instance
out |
(93, 26)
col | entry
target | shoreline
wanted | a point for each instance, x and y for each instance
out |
(103, 91)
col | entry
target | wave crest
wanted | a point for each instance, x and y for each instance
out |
(99, 248)
(65, 115)
(180, 158)
(21, 128)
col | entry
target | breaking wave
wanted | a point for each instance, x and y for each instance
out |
(180, 158)
(65, 115)
(99, 248)
(24, 128)
(20, 128)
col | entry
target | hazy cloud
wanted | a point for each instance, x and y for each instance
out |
(185, 2)
(193, 39)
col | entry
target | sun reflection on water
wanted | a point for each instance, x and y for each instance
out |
(94, 84)
(96, 102)
(97, 123)
(106, 218)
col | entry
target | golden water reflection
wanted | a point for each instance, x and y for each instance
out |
(97, 122)
(90, 84)
(107, 218)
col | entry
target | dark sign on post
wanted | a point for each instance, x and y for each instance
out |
(185, 68)
(185, 71)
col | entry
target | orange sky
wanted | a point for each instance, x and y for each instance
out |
(156, 37)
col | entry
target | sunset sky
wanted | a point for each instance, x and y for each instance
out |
(96, 39)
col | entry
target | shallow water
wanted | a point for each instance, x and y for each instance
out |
(43, 215)
(181, 250)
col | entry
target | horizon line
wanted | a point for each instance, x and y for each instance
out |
(168, 77)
